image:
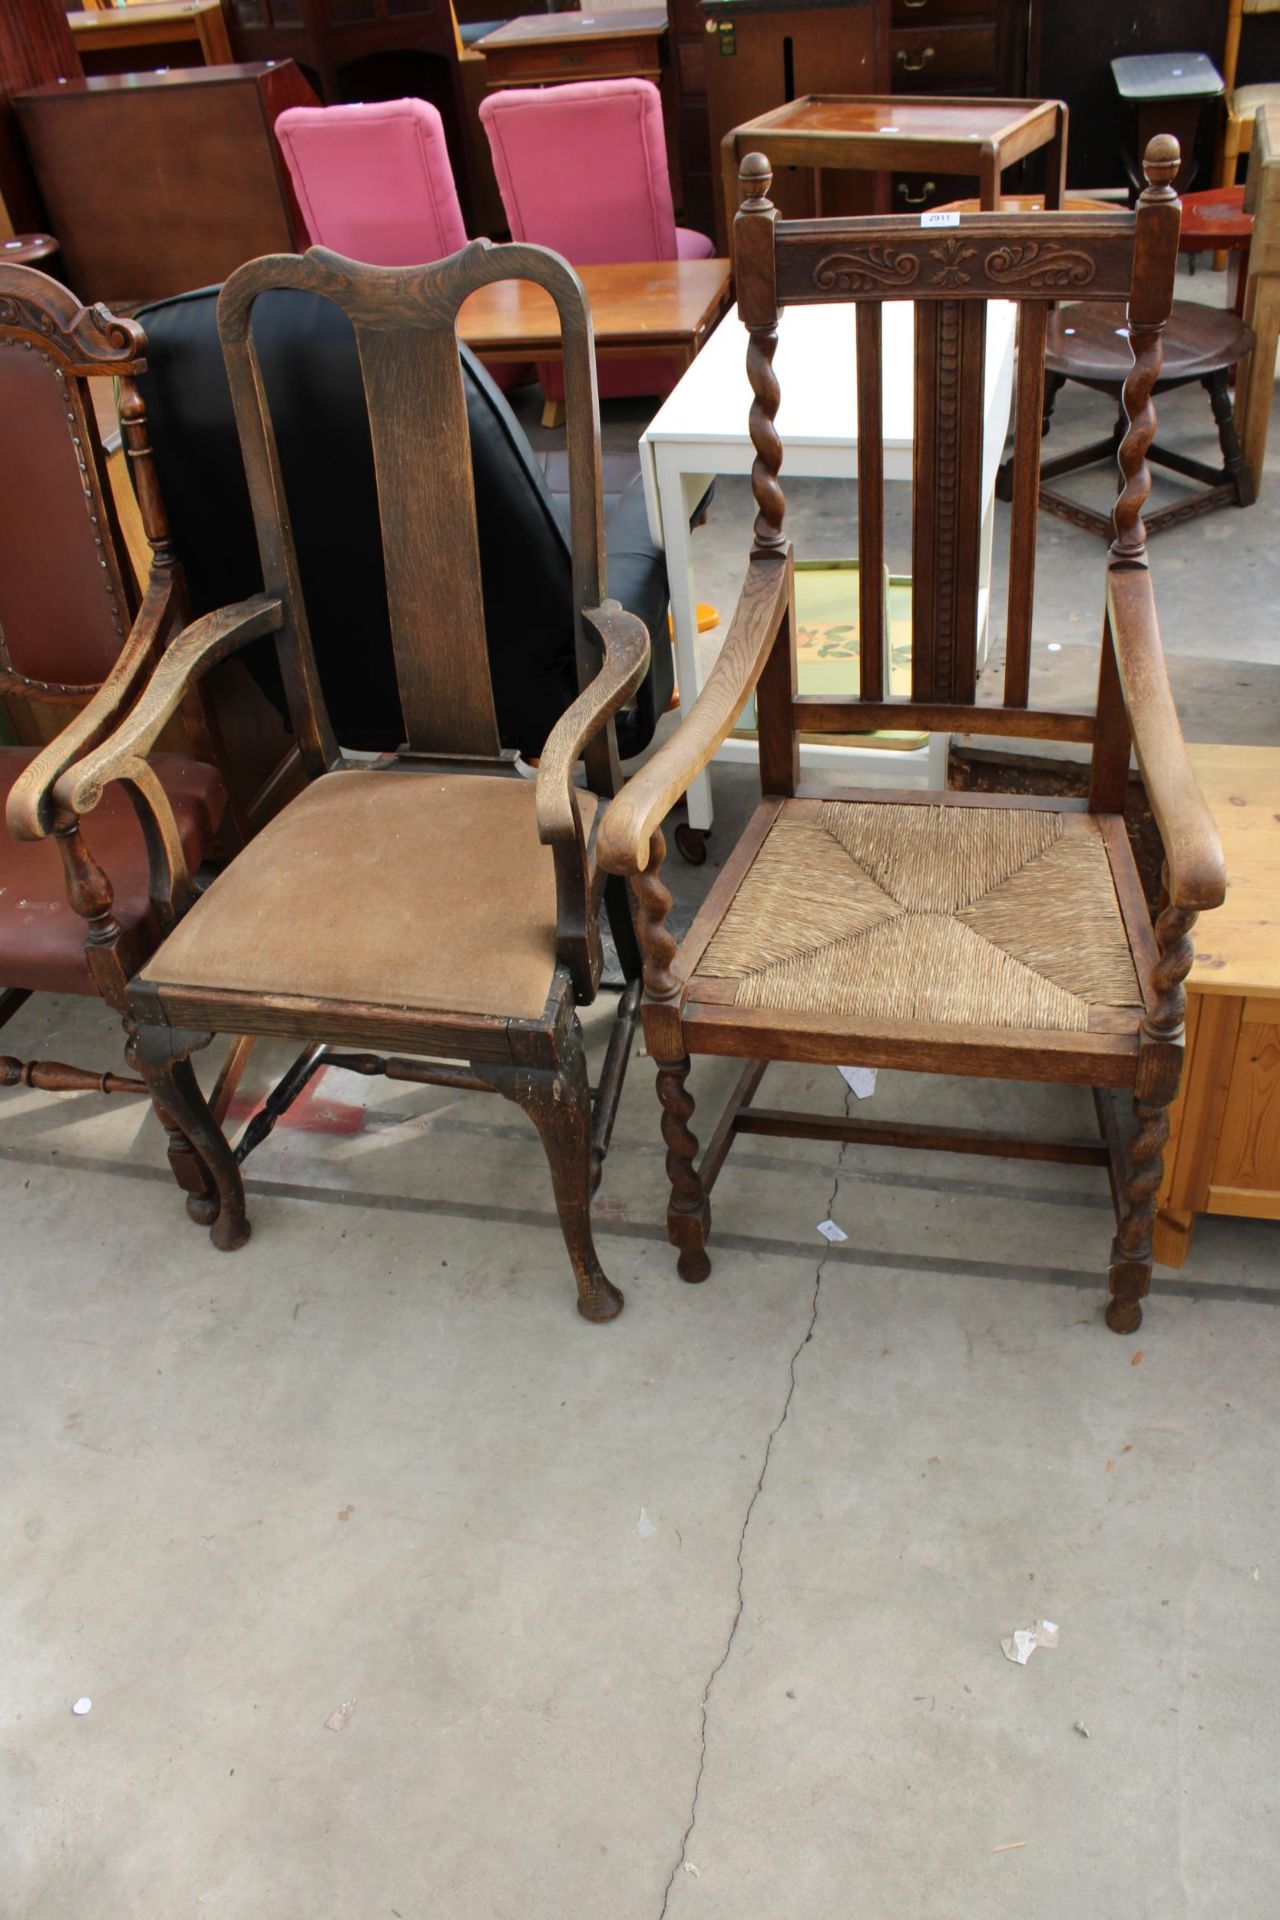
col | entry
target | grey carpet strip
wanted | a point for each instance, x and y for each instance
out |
(1091, 1281)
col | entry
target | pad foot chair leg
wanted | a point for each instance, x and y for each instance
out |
(689, 1212)
(558, 1101)
(163, 1058)
(185, 1164)
(1130, 1276)
(190, 1172)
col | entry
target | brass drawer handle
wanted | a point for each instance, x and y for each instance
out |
(913, 66)
(915, 4)
(910, 199)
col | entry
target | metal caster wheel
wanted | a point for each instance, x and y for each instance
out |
(692, 843)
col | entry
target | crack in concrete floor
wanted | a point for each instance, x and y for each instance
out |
(756, 1491)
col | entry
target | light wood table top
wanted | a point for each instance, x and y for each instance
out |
(152, 23)
(1238, 944)
(543, 29)
(894, 127)
(637, 306)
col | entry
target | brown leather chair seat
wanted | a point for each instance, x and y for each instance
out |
(433, 890)
(41, 938)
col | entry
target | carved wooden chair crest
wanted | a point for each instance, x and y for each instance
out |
(940, 932)
(436, 902)
(77, 917)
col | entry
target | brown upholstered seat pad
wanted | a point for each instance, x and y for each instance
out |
(388, 889)
(41, 938)
(998, 917)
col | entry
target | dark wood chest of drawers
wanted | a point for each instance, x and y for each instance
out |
(970, 47)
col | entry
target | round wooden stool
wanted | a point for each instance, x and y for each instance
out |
(24, 249)
(1088, 342)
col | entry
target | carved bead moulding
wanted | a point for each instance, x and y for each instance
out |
(984, 256)
(86, 339)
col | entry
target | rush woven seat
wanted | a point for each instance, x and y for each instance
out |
(987, 916)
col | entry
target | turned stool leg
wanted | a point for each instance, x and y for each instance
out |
(1233, 461)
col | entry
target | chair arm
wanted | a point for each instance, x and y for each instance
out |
(1197, 876)
(30, 808)
(626, 656)
(197, 648)
(622, 845)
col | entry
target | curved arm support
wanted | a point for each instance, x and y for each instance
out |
(30, 811)
(626, 656)
(623, 844)
(1197, 877)
(200, 646)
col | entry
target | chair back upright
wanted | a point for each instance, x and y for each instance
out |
(67, 594)
(374, 182)
(403, 319)
(583, 169)
(952, 274)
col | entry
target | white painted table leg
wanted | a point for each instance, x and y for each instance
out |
(678, 495)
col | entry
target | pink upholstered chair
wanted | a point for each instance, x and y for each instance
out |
(583, 169)
(374, 182)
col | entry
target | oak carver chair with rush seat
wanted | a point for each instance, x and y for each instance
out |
(432, 901)
(79, 913)
(999, 936)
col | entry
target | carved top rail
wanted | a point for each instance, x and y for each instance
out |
(1003, 256)
(84, 340)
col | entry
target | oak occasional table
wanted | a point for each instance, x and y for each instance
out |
(1224, 1141)
(167, 23)
(901, 134)
(621, 43)
(701, 431)
(639, 308)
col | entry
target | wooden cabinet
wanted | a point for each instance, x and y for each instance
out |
(972, 47)
(35, 46)
(762, 54)
(959, 46)
(1224, 1142)
(1072, 50)
(160, 182)
(698, 167)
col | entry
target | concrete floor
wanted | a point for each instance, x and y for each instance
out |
(697, 1614)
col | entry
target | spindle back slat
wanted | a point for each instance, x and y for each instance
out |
(871, 610)
(1028, 428)
(404, 321)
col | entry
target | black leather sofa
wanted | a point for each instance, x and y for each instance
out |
(308, 357)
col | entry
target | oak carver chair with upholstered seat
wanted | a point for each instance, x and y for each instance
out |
(433, 901)
(1004, 937)
(79, 913)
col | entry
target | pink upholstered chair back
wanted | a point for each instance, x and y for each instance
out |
(374, 182)
(583, 169)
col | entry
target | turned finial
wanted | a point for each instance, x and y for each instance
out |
(755, 177)
(1160, 164)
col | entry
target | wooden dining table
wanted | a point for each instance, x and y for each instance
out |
(639, 308)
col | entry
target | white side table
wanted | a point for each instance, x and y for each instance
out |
(701, 430)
